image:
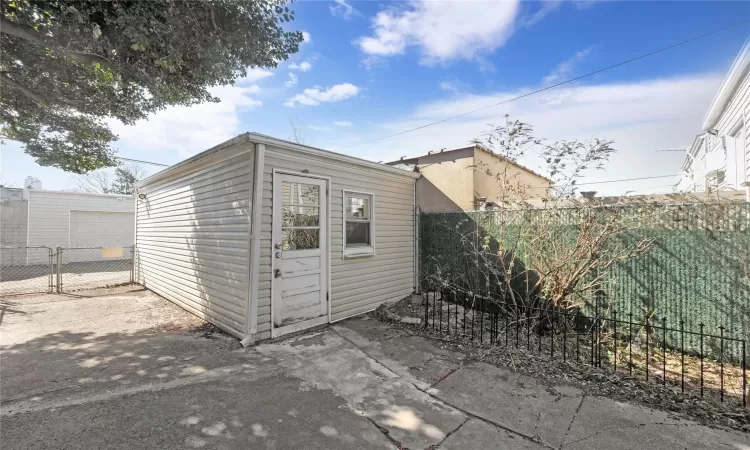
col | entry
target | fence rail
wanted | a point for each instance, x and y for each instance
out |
(701, 362)
(28, 270)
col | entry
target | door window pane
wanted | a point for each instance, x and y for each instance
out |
(300, 216)
(357, 234)
(300, 193)
(300, 238)
(358, 207)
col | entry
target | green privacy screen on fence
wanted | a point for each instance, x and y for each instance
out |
(697, 269)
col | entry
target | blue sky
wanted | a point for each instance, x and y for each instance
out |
(370, 69)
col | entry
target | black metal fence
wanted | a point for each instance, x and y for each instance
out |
(710, 364)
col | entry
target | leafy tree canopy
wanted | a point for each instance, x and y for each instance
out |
(69, 66)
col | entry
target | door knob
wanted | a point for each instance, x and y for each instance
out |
(277, 246)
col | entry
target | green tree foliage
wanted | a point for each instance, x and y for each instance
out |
(69, 66)
(125, 179)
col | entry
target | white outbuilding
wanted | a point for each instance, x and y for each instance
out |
(263, 237)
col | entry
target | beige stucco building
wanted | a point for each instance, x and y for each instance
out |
(470, 178)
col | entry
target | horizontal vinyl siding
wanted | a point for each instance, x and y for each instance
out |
(193, 238)
(734, 113)
(361, 284)
(49, 214)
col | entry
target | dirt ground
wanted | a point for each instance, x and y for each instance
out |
(123, 368)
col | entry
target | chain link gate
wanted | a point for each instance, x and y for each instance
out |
(94, 267)
(41, 270)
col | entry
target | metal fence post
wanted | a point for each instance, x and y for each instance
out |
(51, 288)
(132, 264)
(59, 269)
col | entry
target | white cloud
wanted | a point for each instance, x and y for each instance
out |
(344, 10)
(304, 66)
(442, 31)
(306, 37)
(254, 75)
(315, 96)
(189, 130)
(547, 7)
(291, 81)
(342, 123)
(319, 128)
(640, 116)
(565, 68)
(455, 86)
(584, 4)
(448, 86)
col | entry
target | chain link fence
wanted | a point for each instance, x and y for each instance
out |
(94, 267)
(26, 270)
(30, 270)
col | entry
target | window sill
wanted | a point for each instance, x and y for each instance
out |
(359, 253)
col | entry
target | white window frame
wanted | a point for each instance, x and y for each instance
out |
(357, 252)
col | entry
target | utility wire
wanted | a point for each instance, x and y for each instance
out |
(558, 84)
(142, 162)
(618, 181)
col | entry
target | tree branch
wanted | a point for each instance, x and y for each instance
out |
(25, 91)
(213, 17)
(13, 29)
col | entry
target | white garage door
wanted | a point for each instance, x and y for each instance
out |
(101, 229)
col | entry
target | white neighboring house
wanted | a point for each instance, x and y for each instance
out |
(31, 217)
(719, 158)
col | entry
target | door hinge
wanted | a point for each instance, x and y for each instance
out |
(327, 299)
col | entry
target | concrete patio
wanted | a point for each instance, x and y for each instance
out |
(126, 369)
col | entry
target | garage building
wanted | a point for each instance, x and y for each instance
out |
(35, 218)
(263, 237)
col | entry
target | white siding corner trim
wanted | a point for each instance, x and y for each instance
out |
(255, 225)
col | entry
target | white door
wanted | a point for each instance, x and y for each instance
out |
(300, 253)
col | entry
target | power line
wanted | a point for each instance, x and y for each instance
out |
(142, 162)
(558, 84)
(618, 181)
(682, 150)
